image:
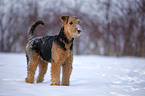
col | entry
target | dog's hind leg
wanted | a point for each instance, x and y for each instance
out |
(42, 70)
(31, 66)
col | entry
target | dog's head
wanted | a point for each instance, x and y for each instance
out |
(72, 25)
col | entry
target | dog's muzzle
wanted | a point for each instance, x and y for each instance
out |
(79, 31)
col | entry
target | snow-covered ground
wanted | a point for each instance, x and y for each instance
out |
(91, 76)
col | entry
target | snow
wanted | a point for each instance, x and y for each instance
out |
(91, 76)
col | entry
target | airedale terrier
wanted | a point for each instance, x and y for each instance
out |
(56, 49)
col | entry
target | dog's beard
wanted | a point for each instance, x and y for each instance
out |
(75, 35)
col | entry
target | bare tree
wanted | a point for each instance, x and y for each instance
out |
(110, 27)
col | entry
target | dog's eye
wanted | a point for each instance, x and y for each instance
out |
(71, 23)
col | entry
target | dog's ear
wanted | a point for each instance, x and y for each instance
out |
(64, 18)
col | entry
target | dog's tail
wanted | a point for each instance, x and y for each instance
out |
(31, 31)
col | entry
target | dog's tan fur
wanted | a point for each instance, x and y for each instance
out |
(59, 58)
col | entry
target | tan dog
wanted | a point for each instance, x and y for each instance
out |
(56, 49)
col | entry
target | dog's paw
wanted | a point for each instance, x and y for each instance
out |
(55, 84)
(65, 84)
(29, 80)
(40, 80)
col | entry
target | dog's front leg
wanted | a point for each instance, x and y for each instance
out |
(67, 69)
(55, 73)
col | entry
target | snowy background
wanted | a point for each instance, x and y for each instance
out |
(91, 76)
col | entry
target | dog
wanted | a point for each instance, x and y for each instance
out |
(58, 50)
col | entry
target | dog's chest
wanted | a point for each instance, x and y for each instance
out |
(58, 54)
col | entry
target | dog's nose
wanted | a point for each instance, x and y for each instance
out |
(79, 31)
